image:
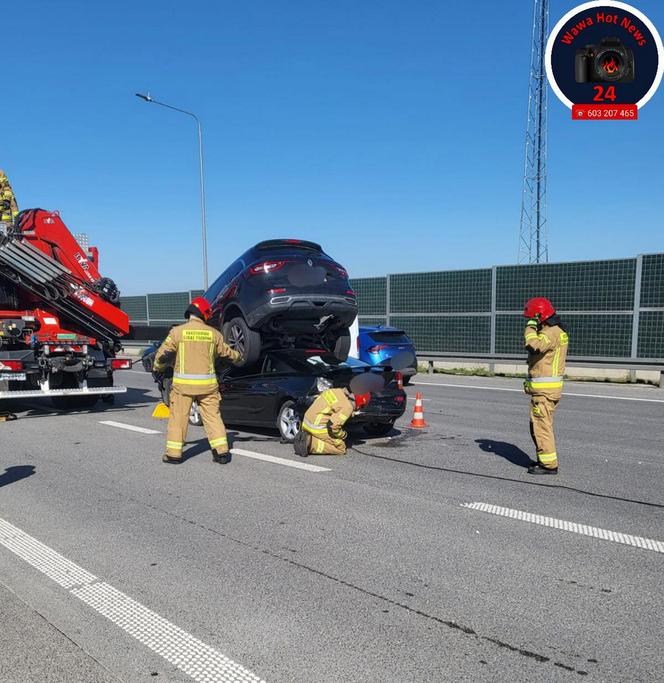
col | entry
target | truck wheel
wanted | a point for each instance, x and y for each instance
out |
(378, 428)
(239, 336)
(288, 422)
(342, 345)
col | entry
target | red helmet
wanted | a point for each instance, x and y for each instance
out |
(199, 305)
(540, 308)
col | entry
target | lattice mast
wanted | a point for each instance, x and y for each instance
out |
(533, 233)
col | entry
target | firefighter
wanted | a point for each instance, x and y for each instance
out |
(546, 341)
(193, 349)
(8, 205)
(322, 431)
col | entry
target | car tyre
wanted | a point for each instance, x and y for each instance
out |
(147, 364)
(288, 421)
(239, 336)
(379, 428)
(195, 415)
(342, 345)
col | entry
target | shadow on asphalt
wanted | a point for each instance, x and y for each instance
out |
(509, 451)
(525, 482)
(16, 473)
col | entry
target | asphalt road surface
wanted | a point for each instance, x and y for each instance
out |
(428, 556)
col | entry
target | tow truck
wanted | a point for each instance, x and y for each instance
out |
(60, 320)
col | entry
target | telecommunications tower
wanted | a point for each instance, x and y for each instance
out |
(533, 234)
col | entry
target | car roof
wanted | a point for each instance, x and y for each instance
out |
(381, 328)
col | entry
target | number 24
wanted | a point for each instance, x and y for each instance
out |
(601, 94)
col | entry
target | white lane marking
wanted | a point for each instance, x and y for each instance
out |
(200, 661)
(280, 461)
(520, 391)
(195, 658)
(58, 568)
(131, 428)
(585, 530)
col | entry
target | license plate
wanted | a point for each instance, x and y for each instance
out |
(12, 377)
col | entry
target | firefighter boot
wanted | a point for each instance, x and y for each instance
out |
(540, 469)
(301, 444)
(222, 458)
(170, 460)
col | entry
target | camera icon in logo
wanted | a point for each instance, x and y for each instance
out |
(608, 62)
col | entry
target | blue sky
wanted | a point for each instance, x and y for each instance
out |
(391, 132)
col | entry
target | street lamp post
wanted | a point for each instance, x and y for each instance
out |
(148, 98)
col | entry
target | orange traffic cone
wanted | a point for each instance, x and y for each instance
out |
(418, 413)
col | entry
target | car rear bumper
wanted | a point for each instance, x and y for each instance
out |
(303, 307)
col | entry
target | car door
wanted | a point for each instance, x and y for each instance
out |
(243, 398)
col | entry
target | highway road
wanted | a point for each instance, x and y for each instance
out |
(428, 556)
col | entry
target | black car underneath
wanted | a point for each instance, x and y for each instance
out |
(276, 392)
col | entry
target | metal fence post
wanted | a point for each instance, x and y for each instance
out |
(387, 300)
(636, 313)
(147, 309)
(492, 343)
(637, 306)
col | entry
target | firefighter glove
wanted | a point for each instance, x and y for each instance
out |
(533, 322)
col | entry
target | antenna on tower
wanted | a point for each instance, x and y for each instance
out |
(533, 233)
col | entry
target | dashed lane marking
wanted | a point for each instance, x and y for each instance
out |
(280, 461)
(520, 391)
(237, 451)
(131, 428)
(198, 660)
(574, 527)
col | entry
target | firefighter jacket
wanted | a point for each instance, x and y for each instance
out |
(327, 415)
(547, 350)
(195, 347)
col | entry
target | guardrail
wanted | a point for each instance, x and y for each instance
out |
(631, 364)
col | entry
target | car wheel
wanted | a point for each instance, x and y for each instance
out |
(195, 415)
(288, 422)
(239, 336)
(406, 381)
(147, 364)
(342, 345)
(378, 428)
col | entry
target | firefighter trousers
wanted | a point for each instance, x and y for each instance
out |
(325, 445)
(178, 421)
(542, 409)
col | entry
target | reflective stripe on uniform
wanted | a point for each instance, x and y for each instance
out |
(343, 418)
(544, 382)
(320, 446)
(181, 355)
(556, 361)
(313, 428)
(531, 336)
(221, 441)
(564, 339)
(330, 397)
(174, 445)
(195, 380)
(206, 376)
(548, 457)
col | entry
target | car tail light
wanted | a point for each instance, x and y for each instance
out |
(293, 241)
(351, 292)
(361, 400)
(121, 364)
(341, 270)
(11, 365)
(399, 379)
(378, 348)
(279, 290)
(266, 267)
(399, 399)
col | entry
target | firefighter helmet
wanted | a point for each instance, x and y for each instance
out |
(540, 308)
(200, 308)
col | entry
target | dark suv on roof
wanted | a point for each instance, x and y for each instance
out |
(284, 293)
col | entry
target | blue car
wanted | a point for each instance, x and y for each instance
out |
(376, 345)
